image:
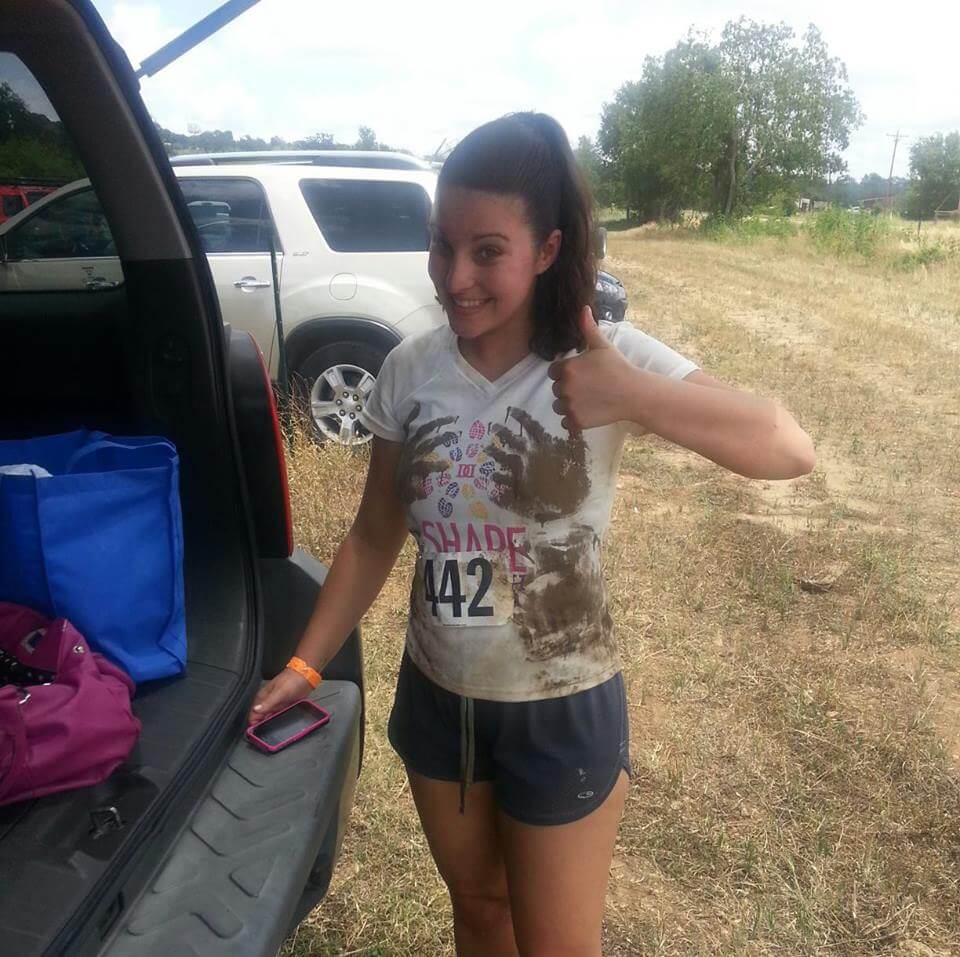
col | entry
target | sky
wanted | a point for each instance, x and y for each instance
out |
(421, 73)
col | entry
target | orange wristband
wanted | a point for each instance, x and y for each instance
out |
(305, 671)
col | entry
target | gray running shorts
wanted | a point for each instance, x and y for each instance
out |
(551, 762)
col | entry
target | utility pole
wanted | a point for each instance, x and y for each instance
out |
(896, 137)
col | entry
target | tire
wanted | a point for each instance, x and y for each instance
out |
(332, 385)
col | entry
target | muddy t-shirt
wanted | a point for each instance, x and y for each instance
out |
(508, 510)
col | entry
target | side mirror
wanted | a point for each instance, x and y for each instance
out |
(600, 242)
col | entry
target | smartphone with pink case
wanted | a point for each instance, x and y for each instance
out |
(283, 728)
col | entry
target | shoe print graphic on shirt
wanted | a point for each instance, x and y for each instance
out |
(529, 472)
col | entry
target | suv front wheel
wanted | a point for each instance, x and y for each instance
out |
(332, 386)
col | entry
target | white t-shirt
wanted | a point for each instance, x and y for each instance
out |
(509, 512)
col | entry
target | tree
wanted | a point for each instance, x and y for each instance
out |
(730, 125)
(934, 174)
(844, 191)
(14, 115)
(223, 141)
(248, 143)
(597, 174)
(872, 185)
(366, 140)
(31, 144)
(664, 134)
(794, 110)
(319, 141)
(28, 157)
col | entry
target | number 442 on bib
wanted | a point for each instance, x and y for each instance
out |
(466, 590)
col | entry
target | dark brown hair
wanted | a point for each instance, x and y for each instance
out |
(528, 155)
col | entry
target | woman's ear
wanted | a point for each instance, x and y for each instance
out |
(549, 250)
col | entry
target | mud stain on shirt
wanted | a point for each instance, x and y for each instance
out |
(501, 594)
(541, 476)
(420, 622)
(562, 609)
(419, 458)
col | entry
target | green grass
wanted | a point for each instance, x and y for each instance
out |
(843, 233)
(890, 242)
(747, 229)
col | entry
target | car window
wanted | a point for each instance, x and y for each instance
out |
(46, 250)
(71, 227)
(369, 215)
(231, 215)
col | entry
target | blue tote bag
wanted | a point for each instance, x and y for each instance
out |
(99, 540)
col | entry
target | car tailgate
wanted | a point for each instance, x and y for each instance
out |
(270, 825)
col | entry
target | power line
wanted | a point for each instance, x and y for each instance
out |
(896, 137)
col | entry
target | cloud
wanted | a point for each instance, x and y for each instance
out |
(419, 73)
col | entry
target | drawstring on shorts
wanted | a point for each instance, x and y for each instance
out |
(467, 748)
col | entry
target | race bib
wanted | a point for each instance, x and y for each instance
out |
(466, 589)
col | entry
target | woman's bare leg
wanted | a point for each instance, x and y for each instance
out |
(466, 848)
(557, 878)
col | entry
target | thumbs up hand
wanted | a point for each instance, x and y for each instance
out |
(592, 388)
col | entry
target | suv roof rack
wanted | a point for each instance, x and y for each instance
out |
(375, 159)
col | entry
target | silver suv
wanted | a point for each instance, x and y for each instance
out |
(350, 243)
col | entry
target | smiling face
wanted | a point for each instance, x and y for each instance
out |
(484, 261)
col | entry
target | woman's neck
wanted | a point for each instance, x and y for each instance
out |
(499, 350)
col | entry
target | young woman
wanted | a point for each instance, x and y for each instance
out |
(496, 444)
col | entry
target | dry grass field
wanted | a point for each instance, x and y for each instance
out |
(790, 649)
